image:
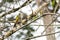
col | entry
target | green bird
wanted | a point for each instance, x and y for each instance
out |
(17, 19)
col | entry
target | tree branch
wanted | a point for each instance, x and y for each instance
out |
(42, 35)
(14, 10)
(18, 28)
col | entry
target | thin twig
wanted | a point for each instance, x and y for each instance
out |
(43, 35)
(24, 4)
(13, 31)
(50, 24)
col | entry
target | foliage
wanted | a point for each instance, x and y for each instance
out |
(8, 1)
(28, 34)
(28, 28)
(33, 4)
(53, 3)
(53, 6)
(0, 33)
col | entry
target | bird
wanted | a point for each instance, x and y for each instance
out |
(19, 18)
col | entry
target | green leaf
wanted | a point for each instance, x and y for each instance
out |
(58, 27)
(0, 33)
(18, 36)
(53, 3)
(8, 1)
(33, 4)
(29, 28)
(29, 34)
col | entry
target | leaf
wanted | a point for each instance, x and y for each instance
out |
(58, 27)
(18, 36)
(29, 34)
(0, 33)
(53, 3)
(33, 4)
(8, 1)
(29, 28)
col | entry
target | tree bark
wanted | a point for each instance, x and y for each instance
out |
(47, 20)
